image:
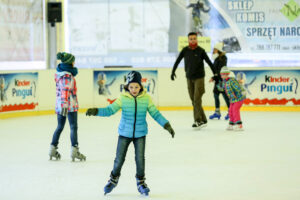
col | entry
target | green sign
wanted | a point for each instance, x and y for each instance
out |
(291, 10)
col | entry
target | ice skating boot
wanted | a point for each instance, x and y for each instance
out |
(215, 116)
(238, 127)
(230, 127)
(54, 153)
(142, 186)
(76, 154)
(112, 183)
(196, 125)
(227, 117)
(199, 125)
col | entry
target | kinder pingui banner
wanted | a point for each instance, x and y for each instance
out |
(108, 85)
(18, 91)
(271, 87)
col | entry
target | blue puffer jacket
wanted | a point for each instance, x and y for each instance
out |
(134, 109)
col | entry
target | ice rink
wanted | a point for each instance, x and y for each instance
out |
(260, 163)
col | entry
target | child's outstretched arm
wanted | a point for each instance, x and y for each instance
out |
(105, 112)
(157, 116)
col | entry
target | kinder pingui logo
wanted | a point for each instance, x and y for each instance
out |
(24, 88)
(279, 85)
(291, 10)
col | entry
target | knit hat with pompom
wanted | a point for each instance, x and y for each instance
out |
(66, 58)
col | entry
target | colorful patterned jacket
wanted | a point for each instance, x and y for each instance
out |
(66, 92)
(134, 109)
(233, 90)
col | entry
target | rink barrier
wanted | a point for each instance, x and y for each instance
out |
(171, 96)
(7, 115)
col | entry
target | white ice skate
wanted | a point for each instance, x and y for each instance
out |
(76, 154)
(229, 128)
(54, 153)
(238, 127)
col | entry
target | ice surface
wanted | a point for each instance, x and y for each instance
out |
(260, 163)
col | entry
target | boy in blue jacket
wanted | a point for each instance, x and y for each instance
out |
(135, 103)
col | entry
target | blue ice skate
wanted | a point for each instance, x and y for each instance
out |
(112, 183)
(215, 115)
(227, 117)
(142, 186)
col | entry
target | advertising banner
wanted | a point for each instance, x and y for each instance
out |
(108, 85)
(255, 33)
(18, 91)
(271, 87)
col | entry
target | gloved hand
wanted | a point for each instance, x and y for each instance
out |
(173, 76)
(91, 112)
(64, 111)
(169, 128)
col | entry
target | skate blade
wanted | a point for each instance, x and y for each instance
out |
(199, 127)
(144, 195)
(239, 130)
(56, 158)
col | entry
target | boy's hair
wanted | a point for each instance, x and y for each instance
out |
(192, 33)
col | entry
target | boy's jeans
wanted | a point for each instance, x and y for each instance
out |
(72, 117)
(139, 146)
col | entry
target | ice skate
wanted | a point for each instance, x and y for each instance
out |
(196, 125)
(226, 117)
(112, 183)
(199, 125)
(238, 127)
(215, 116)
(229, 128)
(142, 186)
(54, 153)
(76, 154)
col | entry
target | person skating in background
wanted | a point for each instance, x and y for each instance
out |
(198, 7)
(194, 69)
(135, 103)
(220, 60)
(234, 91)
(66, 105)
